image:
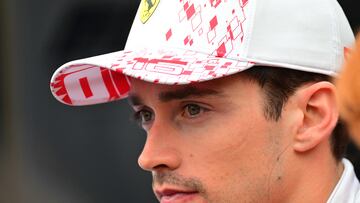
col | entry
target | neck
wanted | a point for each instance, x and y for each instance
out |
(314, 176)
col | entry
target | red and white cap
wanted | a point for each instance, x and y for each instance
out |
(185, 41)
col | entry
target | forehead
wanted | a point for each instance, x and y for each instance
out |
(223, 87)
(140, 85)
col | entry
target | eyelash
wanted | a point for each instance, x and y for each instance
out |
(137, 117)
(185, 109)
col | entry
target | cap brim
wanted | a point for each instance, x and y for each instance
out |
(103, 78)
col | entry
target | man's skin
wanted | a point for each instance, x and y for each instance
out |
(211, 142)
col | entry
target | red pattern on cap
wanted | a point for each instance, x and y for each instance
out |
(87, 84)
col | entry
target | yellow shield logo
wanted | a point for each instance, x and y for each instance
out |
(147, 8)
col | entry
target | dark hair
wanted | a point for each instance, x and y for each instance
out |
(279, 84)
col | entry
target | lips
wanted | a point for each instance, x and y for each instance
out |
(175, 196)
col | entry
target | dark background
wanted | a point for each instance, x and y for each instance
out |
(50, 152)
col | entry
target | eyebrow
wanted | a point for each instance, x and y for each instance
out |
(178, 94)
(134, 100)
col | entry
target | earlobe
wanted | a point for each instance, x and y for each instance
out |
(318, 105)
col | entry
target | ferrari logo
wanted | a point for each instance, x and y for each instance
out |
(147, 8)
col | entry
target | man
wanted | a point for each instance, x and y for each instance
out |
(234, 96)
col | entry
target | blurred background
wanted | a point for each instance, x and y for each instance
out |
(53, 153)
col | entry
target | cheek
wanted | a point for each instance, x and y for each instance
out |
(230, 143)
(232, 159)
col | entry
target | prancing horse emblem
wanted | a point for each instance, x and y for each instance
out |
(147, 8)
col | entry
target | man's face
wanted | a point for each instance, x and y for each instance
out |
(210, 142)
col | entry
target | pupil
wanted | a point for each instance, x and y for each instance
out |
(146, 116)
(193, 109)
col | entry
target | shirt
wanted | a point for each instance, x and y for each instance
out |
(347, 189)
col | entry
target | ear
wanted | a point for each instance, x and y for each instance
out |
(317, 102)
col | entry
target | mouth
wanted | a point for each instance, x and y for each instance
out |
(175, 196)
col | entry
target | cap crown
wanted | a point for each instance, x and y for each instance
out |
(184, 41)
(301, 34)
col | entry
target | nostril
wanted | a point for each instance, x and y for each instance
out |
(151, 164)
(159, 159)
(160, 166)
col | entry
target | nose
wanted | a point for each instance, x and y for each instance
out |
(160, 150)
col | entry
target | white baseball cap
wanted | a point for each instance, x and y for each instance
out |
(185, 41)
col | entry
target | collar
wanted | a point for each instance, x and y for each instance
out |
(347, 189)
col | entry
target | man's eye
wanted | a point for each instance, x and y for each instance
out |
(192, 110)
(143, 116)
